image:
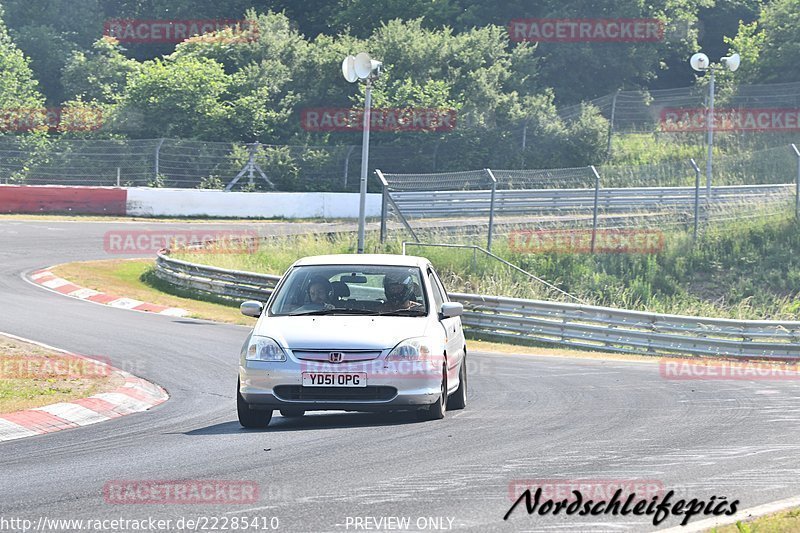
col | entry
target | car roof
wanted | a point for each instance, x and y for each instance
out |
(364, 259)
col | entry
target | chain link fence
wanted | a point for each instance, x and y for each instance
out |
(640, 111)
(36, 160)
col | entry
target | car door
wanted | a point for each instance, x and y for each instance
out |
(452, 327)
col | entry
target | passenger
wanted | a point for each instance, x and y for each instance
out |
(399, 292)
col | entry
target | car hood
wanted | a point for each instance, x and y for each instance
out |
(341, 332)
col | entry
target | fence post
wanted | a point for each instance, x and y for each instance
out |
(611, 122)
(596, 205)
(797, 184)
(118, 172)
(696, 195)
(347, 164)
(491, 209)
(158, 155)
(384, 203)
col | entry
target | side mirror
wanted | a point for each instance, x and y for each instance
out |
(251, 308)
(452, 309)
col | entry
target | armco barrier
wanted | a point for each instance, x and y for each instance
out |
(547, 201)
(567, 324)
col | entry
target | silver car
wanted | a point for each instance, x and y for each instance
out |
(353, 333)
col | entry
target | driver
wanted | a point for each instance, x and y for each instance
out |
(399, 291)
(319, 294)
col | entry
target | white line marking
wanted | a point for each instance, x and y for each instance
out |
(84, 293)
(125, 303)
(10, 431)
(123, 402)
(74, 413)
(40, 275)
(54, 283)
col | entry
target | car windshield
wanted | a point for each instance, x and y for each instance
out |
(351, 290)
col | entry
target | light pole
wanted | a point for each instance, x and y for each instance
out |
(700, 63)
(362, 67)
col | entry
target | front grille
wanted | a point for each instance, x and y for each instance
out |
(349, 356)
(370, 392)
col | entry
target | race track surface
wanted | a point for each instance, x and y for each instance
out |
(528, 418)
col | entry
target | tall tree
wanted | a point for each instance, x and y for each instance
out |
(18, 89)
(770, 47)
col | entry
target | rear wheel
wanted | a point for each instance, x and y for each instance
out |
(459, 398)
(250, 418)
(292, 413)
(436, 410)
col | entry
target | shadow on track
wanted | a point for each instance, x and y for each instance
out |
(315, 420)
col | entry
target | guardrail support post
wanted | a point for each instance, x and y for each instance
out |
(797, 183)
(696, 195)
(596, 205)
(384, 203)
(491, 208)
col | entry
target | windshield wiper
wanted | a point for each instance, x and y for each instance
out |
(403, 312)
(335, 311)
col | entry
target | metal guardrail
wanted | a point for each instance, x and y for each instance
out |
(219, 282)
(435, 204)
(575, 325)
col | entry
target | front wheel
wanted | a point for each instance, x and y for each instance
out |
(459, 398)
(250, 418)
(436, 410)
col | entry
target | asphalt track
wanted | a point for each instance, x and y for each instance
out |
(528, 418)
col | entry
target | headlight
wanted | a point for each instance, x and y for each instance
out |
(417, 349)
(264, 349)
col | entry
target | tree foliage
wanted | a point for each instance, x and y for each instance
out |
(453, 54)
(770, 47)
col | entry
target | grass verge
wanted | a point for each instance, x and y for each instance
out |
(132, 278)
(32, 376)
(781, 522)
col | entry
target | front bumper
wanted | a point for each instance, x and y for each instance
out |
(390, 386)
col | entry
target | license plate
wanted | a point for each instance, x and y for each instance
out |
(334, 379)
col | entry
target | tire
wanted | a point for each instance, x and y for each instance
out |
(437, 409)
(292, 413)
(459, 398)
(250, 418)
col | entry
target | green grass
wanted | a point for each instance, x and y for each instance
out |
(29, 377)
(782, 522)
(745, 269)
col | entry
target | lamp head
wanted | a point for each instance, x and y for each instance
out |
(732, 62)
(699, 62)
